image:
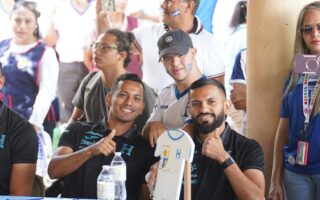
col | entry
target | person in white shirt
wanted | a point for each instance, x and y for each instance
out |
(67, 32)
(177, 54)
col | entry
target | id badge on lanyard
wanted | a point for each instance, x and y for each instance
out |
(302, 149)
(303, 141)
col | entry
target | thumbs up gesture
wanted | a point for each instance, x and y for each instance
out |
(213, 147)
(106, 145)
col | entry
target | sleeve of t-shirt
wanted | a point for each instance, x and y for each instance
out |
(68, 137)
(25, 143)
(284, 110)
(253, 157)
(78, 99)
(238, 73)
(157, 113)
(150, 98)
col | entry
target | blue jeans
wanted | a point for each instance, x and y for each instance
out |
(301, 186)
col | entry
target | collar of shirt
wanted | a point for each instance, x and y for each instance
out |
(102, 127)
(196, 29)
(222, 136)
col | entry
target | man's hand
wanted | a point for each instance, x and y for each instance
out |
(105, 146)
(103, 23)
(152, 131)
(276, 192)
(213, 148)
(238, 96)
(152, 176)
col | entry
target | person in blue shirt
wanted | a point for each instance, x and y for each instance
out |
(296, 161)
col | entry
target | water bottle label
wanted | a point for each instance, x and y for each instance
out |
(106, 190)
(119, 173)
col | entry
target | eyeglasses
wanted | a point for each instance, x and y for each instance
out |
(307, 29)
(103, 47)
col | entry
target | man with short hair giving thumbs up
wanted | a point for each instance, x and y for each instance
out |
(85, 147)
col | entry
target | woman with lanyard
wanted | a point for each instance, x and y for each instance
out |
(296, 162)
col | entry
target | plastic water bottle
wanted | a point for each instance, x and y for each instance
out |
(105, 184)
(119, 172)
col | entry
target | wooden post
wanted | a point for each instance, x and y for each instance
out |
(187, 181)
(271, 32)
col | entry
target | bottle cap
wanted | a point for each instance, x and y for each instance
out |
(117, 153)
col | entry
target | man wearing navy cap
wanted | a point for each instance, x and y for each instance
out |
(177, 54)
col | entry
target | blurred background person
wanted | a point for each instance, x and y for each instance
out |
(67, 32)
(31, 70)
(238, 82)
(236, 43)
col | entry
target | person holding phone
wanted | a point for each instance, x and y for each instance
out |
(296, 161)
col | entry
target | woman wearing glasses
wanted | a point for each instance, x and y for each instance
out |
(296, 161)
(111, 54)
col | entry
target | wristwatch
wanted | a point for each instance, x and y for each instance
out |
(227, 163)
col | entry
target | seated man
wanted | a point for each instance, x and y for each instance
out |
(84, 147)
(226, 165)
(18, 152)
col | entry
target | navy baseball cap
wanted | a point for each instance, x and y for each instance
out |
(174, 41)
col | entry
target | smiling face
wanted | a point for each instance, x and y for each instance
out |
(311, 36)
(207, 108)
(24, 24)
(126, 102)
(179, 66)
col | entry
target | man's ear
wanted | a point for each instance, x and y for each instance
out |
(191, 5)
(123, 54)
(227, 106)
(109, 99)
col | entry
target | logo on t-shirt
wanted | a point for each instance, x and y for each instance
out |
(2, 140)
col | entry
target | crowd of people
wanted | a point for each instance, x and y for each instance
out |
(116, 83)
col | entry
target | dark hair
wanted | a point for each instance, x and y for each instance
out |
(1, 72)
(126, 77)
(124, 40)
(239, 14)
(32, 6)
(206, 81)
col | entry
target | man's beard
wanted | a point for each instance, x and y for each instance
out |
(206, 128)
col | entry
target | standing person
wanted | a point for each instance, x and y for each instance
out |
(118, 20)
(111, 54)
(296, 161)
(30, 67)
(177, 14)
(226, 165)
(236, 43)
(178, 56)
(85, 147)
(18, 151)
(67, 32)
